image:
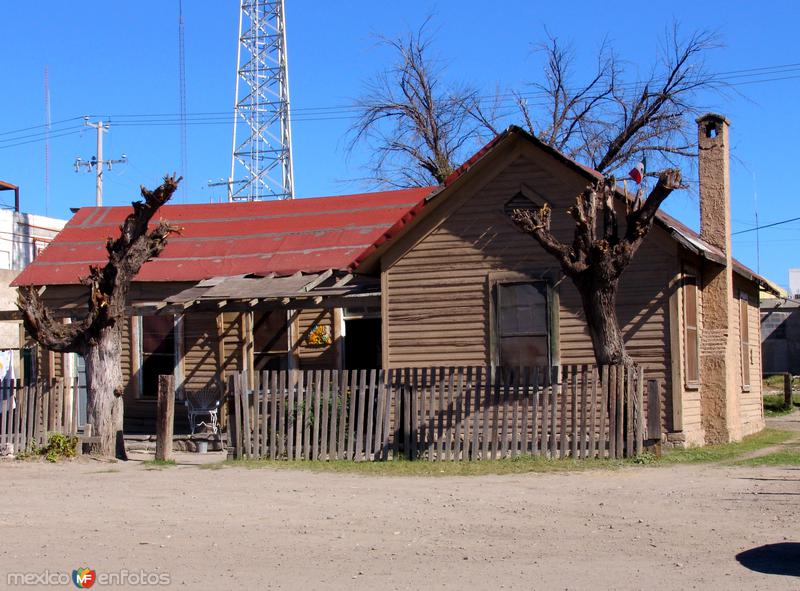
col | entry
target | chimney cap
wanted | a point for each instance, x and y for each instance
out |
(715, 117)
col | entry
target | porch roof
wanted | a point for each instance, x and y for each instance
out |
(290, 291)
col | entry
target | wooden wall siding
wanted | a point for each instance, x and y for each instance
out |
(692, 420)
(232, 342)
(437, 287)
(312, 357)
(201, 350)
(750, 402)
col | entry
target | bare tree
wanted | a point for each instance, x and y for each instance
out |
(609, 123)
(606, 123)
(599, 252)
(415, 124)
(97, 337)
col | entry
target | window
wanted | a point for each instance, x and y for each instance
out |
(522, 324)
(691, 337)
(744, 338)
(158, 351)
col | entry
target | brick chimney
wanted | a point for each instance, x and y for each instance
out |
(719, 390)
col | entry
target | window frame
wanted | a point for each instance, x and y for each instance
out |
(691, 381)
(496, 336)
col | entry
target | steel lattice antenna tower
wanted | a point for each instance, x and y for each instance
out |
(262, 137)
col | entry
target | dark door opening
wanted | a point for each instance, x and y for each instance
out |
(362, 343)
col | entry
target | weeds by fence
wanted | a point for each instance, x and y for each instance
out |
(455, 413)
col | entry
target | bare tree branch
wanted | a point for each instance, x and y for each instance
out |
(108, 285)
(412, 120)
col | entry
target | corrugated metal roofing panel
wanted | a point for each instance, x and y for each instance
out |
(280, 237)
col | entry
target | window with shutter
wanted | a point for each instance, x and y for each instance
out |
(744, 338)
(691, 335)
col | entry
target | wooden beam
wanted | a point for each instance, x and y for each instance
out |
(342, 281)
(316, 281)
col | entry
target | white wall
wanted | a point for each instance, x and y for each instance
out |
(23, 235)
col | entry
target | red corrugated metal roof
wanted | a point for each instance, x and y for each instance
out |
(280, 237)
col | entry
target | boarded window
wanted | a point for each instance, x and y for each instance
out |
(522, 324)
(692, 347)
(158, 351)
(744, 337)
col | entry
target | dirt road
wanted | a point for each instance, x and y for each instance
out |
(678, 527)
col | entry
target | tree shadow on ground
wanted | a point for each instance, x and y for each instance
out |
(773, 559)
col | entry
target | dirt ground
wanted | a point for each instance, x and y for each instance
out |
(675, 527)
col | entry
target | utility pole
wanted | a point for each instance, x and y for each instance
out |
(97, 161)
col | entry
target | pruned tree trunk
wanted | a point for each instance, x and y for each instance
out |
(98, 336)
(600, 308)
(105, 408)
(598, 254)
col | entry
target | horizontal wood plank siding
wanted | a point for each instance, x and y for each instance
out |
(750, 401)
(438, 291)
(201, 351)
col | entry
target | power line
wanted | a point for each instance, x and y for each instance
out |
(345, 112)
(766, 226)
(52, 136)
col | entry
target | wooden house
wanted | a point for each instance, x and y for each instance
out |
(430, 277)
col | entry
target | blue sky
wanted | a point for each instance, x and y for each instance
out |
(119, 60)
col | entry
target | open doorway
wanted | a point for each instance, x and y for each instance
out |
(362, 341)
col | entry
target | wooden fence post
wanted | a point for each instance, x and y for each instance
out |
(654, 414)
(231, 426)
(787, 390)
(166, 416)
(639, 410)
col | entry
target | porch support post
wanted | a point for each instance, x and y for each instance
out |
(220, 322)
(178, 373)
(136, 355)
(293, 362)
(246, 320)
(338, 336)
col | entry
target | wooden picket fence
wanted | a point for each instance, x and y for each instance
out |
(455, 413)
(29, 413)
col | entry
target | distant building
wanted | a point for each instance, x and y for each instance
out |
(780, 330)
(22, 237)
(794, 283)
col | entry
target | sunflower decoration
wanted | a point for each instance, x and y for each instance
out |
(319, 336)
